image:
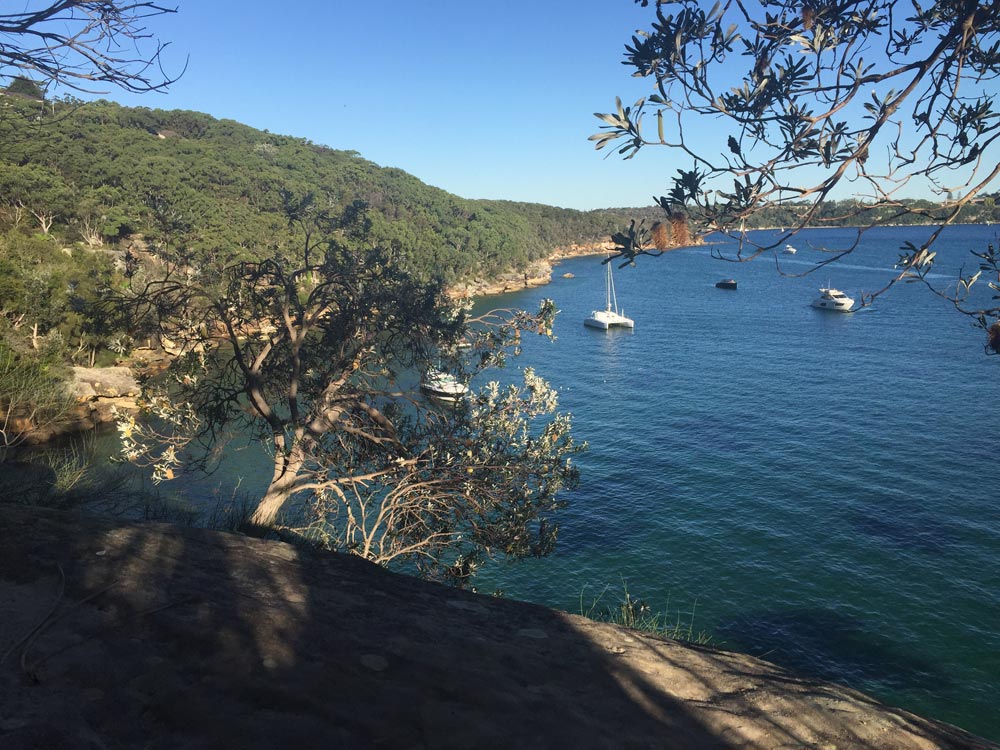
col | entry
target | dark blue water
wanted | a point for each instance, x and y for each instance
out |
(822, 485)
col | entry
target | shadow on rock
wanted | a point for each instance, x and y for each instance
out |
(125, 635)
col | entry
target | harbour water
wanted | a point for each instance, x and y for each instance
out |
(819, 487)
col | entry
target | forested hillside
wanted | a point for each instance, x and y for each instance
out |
(81, 184)
(98, 173)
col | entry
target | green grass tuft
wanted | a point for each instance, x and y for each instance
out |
(634, 613)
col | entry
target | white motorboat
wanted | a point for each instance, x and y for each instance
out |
(610, 316)
(833, 299)
(789, 250)
(442, 385)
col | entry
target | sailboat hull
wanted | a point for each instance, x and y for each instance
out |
(605, 319)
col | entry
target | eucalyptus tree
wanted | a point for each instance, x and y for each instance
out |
(34, 190)
(814, 99)
(314, 352)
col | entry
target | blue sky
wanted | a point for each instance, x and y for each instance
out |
(484, 100)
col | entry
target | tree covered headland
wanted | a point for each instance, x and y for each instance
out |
(86, 189)
(99, 173)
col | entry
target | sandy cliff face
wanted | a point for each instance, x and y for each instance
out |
(119, 635)
(576, 250)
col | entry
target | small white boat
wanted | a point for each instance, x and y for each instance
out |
(441, 385)
(610, 316)
(789, 250)
(833, 299)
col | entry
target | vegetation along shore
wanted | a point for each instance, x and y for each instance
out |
(204, 284)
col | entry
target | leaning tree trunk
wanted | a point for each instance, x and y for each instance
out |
(282, 487)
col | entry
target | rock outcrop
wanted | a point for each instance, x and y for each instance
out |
(117, 635)
(582, 248)
(538, 273)
(92, 383)
(96, 392)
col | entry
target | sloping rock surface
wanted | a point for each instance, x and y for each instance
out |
(103, 382)
(116, 635)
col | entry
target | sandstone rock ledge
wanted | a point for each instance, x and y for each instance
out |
(116, 635)
(538, 273)
(97, 392)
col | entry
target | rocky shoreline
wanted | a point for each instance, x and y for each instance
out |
(96, 393)
(539, 273)
(124, 635)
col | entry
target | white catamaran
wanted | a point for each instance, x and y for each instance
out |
(610, 316)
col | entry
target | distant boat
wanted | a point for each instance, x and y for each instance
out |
(610, 316)
(726, 284)
(789, 250)
(442, 385)
(833, 299)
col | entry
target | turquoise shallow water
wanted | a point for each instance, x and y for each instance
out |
(820, 486)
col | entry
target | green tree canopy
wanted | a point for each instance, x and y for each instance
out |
(314, 351)
(215, 185)
(21, 86)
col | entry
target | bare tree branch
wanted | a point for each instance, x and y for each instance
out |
(85, 45)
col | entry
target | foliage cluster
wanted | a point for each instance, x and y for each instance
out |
(32, 394)
(815, 99)
(47, 320)
(47, 294)
(314, 352)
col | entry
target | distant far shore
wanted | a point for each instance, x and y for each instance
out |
(539, 273)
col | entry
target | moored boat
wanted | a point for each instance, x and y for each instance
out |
(726, 284)
(833, 299)
(442, 385)
(610, 316)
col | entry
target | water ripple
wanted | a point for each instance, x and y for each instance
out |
(819, 483)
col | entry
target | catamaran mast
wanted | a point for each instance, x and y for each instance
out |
(611, 291)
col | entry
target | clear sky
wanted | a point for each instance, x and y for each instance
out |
(484, 100)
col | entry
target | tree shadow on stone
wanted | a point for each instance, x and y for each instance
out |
(156, 636)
